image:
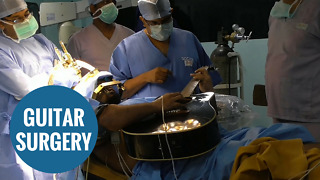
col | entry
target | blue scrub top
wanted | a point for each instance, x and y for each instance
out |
(136, 55)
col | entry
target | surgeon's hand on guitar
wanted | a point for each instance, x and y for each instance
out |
(205, 83)
(172, 101)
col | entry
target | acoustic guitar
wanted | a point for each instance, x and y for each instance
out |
(181, 136)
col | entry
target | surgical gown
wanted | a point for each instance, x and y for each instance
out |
(136, 55)
(293, 65)
(24, 66)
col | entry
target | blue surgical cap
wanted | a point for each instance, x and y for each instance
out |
(94, 1)
(8, 7)
(154, 9)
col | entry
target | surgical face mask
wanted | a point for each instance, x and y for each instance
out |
(25, 29)
(282, 10)
(161, 32)
(109, 13)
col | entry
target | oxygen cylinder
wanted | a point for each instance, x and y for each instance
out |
(226, 66)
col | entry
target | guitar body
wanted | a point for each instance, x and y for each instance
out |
(144, 143)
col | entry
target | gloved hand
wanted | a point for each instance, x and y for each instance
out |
(66, 76)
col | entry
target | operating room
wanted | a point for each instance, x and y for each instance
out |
(253, 51)
(242, 28)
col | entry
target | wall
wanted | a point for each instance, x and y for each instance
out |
(51, 31)
(253, 55)
(206, 17)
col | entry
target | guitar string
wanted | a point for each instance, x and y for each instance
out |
(166, 136)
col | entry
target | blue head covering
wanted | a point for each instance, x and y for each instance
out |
(154, 9)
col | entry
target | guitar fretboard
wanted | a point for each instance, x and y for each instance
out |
(187, 91)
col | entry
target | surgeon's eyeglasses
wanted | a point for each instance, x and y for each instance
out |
(16, 20)
(164, 20)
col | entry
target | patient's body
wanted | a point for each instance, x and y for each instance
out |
(216, 164)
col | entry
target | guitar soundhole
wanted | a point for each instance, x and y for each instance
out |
(177, 126)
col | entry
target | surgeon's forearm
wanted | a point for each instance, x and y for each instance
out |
(18, 84)
(132, 86)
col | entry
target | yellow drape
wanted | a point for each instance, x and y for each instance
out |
(268, 158)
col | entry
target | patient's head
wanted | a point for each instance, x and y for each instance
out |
(108, 90)
(109, 95)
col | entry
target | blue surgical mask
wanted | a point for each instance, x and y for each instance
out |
(109, 13)
(282, 10)
(161, 32)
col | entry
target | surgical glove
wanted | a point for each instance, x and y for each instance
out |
(64, 76)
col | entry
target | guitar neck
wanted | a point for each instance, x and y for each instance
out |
(188, 90)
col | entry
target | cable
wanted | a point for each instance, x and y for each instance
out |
(117, 152)
(88, 161)
(166, 136)
(306, 172)
(77, 173)
(229, 75)
(309, 170)
(161, 145)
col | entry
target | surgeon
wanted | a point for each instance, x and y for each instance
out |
(96, 42)
(26, 63)
(160, 58)
(292, 64)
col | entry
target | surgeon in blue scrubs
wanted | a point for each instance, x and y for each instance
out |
(26, 63)
(160, 58)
